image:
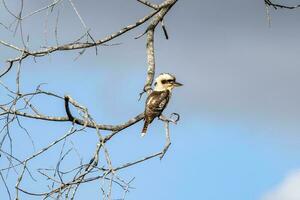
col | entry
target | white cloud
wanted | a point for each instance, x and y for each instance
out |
(289, 189)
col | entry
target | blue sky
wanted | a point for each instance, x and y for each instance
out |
(238, 137)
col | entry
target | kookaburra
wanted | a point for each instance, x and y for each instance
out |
(159, 98)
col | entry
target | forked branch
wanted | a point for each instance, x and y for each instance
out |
(65, 183)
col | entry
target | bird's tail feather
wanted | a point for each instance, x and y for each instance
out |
(144, 131)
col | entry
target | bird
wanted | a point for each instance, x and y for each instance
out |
(158, 99)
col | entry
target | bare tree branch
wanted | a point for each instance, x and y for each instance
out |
(77, 45)
(64, 183)
(275, 5)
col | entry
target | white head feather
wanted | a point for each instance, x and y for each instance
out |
(161, 83)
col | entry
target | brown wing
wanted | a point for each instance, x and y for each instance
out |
(155, 104)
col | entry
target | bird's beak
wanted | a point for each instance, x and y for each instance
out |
(176, 84)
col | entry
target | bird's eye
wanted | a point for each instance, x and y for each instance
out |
(164, 81)
(171, 81)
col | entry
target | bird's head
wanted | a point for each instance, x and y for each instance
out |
(165, 81)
